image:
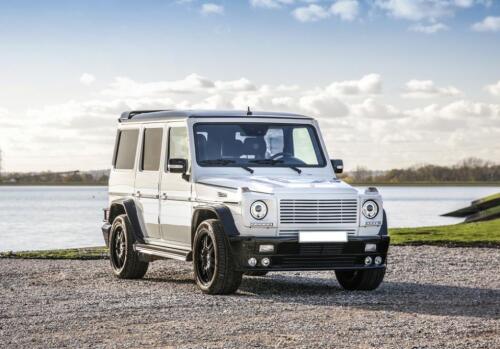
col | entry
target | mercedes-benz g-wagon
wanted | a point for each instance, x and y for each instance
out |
(238, 193)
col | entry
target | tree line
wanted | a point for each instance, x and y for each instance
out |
(471, 170)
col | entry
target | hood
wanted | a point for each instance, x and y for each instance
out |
(278, 185)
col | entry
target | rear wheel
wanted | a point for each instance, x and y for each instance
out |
(363, 280)
(124, 260)
(214, 268)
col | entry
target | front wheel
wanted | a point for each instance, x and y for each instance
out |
(214, 268)
(362, 280)
(124, 260)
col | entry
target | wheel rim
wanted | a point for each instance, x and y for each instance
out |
(205, 259)
(119, 248)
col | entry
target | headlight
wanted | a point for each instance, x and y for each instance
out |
(258, 209)
(369, 209)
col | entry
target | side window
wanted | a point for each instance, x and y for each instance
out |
(151, 149)
(127, 147)
(303, 146)
(178, 143)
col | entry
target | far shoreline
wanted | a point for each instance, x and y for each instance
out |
(361, 184)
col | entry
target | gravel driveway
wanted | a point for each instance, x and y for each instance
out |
(432, 297)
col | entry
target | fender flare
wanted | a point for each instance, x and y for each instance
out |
(133, 216)
(223, 214)
(384, 229)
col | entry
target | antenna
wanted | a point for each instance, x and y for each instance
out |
(249, 112)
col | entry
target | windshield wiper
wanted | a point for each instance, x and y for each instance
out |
(274, 162)
(224, 162)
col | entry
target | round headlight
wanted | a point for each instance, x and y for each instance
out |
(258, 209)
(369, 209)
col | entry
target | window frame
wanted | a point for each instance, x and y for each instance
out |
(169, 137)
(117, 148)
(141, 157)
(322, 163)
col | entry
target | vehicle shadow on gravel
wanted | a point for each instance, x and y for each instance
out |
(407, 297)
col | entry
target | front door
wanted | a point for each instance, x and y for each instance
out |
(147, 181)
(175, 191)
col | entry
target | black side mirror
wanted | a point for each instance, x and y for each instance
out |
(338, 165)
(177, 165)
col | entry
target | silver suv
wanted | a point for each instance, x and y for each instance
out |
(238, 193)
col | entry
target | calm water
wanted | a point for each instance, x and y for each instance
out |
(59, 217)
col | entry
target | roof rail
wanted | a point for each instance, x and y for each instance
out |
(127, 115)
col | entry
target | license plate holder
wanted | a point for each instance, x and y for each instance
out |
(322, 236)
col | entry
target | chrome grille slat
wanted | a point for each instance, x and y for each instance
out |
(308, 211)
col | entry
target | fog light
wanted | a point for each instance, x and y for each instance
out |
(252, 262)
(370, 247)
(368, 260)
(378, 260)
(265, 262)
(266, 248)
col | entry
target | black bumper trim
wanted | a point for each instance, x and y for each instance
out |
(289, 254)
(106, 230)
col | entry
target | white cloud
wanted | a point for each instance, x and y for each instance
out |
(126, 87)
(87, 79)
(373, 109)
(212, 9)
(429, 28)
(311, 13)
(324, 105)
(347, 10)
(416, 10)
(489, 24)
(368, 84)
(235, 85)
(270, 3)
(427, 89)
(494, 89)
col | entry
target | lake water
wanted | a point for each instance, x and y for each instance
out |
(33, 218)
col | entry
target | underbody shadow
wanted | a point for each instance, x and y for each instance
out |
(408, 297)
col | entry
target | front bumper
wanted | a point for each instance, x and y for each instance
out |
(289, 254)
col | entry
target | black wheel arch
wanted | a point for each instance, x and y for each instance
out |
(216, 211)
(128, 206)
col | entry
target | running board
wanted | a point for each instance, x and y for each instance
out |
(164, 252)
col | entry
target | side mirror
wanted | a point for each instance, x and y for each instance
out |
(177, 165)
(338, 165)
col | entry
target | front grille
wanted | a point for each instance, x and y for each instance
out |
(339, 211)
(318, 262)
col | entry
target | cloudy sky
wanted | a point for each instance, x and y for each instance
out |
(392, 82)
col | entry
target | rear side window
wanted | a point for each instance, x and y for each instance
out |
(151, 149)
(127, 147)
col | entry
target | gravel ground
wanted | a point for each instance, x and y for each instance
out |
(432, 297)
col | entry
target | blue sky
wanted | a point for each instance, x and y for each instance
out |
(431, 71)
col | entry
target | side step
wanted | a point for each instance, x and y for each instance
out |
(164, 252)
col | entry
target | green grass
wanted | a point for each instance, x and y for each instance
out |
(482, 234)
(71, 253)
(470, 234)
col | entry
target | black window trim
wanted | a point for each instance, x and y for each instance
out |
(141, 157)
(117, 144)
(315, 133)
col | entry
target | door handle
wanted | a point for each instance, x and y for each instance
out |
(164, 196)
(138, 194)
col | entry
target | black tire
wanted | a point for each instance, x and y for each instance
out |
(124, 260)
(256, 273)
(360, 280)
(214, 269)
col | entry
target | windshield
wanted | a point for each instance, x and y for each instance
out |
(257, 145)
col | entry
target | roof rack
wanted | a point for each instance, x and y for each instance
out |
(127, 115)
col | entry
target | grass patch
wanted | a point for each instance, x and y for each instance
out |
(70, 253)
(481, 234)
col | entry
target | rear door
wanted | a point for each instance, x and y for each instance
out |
(175, 191)
(148, 178)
